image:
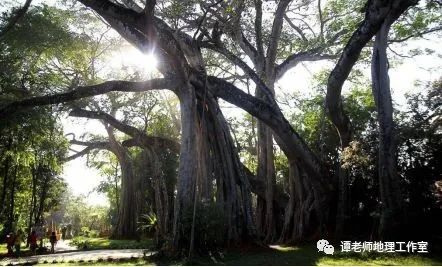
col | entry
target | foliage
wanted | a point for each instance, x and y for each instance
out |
(148, 222)
(84, 219)
(420, 151)
(104, 243)
(209, 221)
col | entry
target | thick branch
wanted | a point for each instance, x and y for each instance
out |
(376, 12)
(275, 34)
(293, 145)
(85, 91)
(294, 59)
(139, 137)
(258, 29)
(89, 147)
(240, 63)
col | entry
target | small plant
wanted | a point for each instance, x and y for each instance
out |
(148, 223)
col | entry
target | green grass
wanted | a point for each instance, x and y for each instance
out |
(4, 250)
(308, 255)
(104, 243)
(275, 255)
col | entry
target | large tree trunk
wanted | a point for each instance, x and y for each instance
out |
(4, 184)
(161, 197)
(342, 211)
(302, 207)
(188, 168)
(45, 177)
(233, 189)
(6, 166)
(11, 216)
(130, 193)
(266, 171)
(391, 201)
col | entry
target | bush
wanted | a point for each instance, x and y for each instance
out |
(86, 232)
(209, 222)
(80, 242)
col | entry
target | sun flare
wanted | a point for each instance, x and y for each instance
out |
(130, 57)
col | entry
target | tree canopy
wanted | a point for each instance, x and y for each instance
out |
(340, 161)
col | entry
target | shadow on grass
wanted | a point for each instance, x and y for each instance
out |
(275, 255)
(303, 255)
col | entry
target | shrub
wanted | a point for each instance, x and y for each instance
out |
(209, 221)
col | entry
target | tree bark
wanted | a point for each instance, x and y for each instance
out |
(233, 188)
(391, 200)
(129, 209)
(266, 172)
(11, 217)
(6, 166)
(188, 166)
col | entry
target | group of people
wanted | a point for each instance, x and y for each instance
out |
(14, 241)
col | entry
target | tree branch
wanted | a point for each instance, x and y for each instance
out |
(296, 28)
(258, 29)
(276, 33)
(240, 63)
(294, 59)
(89, 147)
(417, 34)
(86, 91)
(376, 12)
(139, 137)
(288, 139)
(12, 21)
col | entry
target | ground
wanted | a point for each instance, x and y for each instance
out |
(105, 243)
(125, 253)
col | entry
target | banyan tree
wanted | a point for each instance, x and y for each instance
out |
(255, 37)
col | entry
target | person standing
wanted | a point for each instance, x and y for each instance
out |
(17, 242)
(53, 240)
(33, 242)
(10, 240)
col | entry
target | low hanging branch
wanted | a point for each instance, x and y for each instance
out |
(292, 144)
(139, 137)
(89, 147)
(85, 91)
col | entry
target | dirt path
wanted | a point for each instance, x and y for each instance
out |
(77, 256)
(64, 245)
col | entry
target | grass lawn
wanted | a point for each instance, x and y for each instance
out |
(308, 255)
(277, 255)
(91, 243)
(4, 250)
